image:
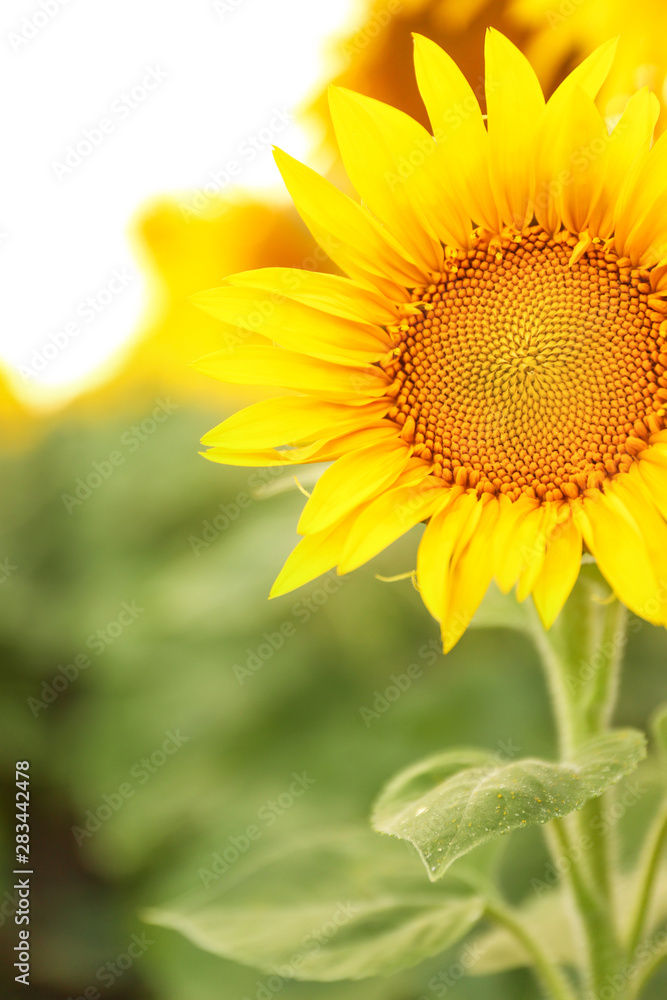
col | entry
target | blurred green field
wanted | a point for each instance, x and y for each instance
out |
(246, 692)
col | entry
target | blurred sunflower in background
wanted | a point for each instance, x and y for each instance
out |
(377, 58)
(182, 249)
(494, 363)
(183, 246)
(558, 32)
(13, 414)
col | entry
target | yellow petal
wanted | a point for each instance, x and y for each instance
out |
(620, 550)
(589, 75)
(515, 106)
(628, 145)
(637, 500)
(353, 479)
(527, 543)
(572, 162)
(470, 576)
(438, 544)
(288, 419)
(276, 366)
(361, 437)
(653, 473)
(315, 554)
(323, 450)
(389, 516)
(376, 142)
(293, 325)
(264, 458)
(458, 126)
(470, 526)
(508, 557)
(559, 571)
(642, 214)
(401, 175)
(328, 292)
(534, 557)
(657, 454)
(350, 236)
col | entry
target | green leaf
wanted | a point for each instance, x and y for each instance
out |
(342, 906)
(454, 801)
(549, 917)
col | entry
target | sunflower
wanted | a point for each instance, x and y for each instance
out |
(494, 364)
(376, 58)
(561, 31)
(183, 245)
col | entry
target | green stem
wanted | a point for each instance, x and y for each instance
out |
(593, 907)
(646, 974)
(554, 981)
(581, 657)
(648, 869)
(591, 822)
(603, 691)
(559, 685)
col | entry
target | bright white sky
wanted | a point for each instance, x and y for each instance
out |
(210, 75)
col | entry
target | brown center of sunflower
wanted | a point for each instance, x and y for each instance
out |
(523, 373)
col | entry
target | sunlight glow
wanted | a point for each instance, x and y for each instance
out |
(143, 99)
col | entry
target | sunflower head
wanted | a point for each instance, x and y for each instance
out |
(494, 362)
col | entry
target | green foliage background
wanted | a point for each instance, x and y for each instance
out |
(173, 670)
